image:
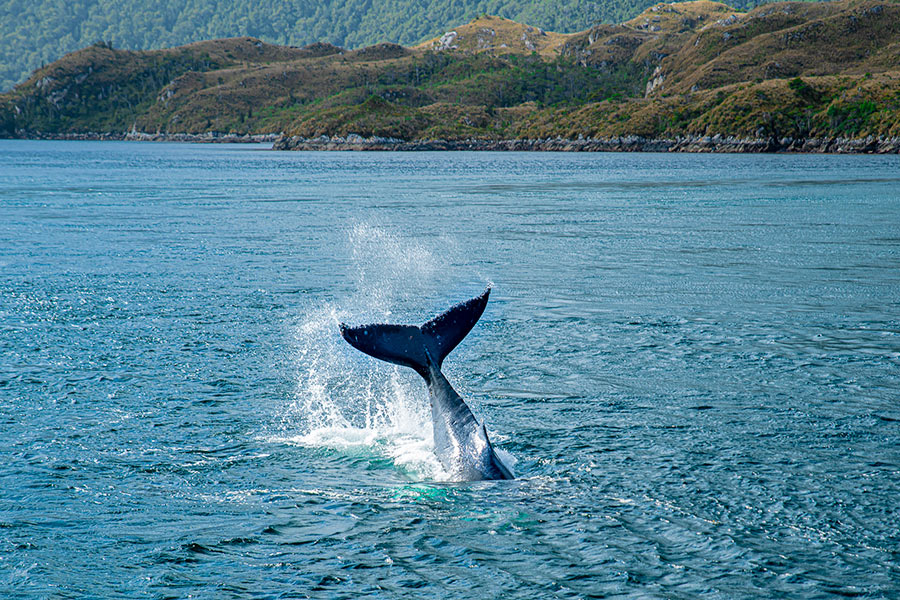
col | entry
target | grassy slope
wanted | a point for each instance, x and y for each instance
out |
(37, 32)
(785, 69)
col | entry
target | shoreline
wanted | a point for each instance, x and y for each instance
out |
(695, 144)
(355, 143)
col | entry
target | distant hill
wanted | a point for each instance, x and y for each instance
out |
(37, 32)
(785, 70)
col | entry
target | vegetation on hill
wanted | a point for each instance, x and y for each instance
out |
(37, 32)
(789, 69)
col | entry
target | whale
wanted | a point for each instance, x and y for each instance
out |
(461, 443)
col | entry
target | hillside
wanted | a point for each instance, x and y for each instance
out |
(789, 70)
(36, 32)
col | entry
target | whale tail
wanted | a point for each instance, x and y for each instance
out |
(418, 347)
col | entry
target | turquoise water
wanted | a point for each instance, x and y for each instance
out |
(692, 361)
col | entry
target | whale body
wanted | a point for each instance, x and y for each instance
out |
(461, 442)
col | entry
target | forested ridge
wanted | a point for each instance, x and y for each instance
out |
(787, 71)
(37, 32)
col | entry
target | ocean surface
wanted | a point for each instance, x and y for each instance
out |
(691, 362)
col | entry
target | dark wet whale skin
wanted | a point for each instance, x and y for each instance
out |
(460, 442)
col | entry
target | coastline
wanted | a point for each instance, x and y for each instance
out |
(632, 143)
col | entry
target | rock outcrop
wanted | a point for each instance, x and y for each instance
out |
(869, 145)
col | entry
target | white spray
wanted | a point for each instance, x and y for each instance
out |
(342, 399)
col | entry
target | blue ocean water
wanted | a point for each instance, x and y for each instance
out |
(692, 361)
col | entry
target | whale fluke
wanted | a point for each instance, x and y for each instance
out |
(398, 344)
(461, 443)
(412, 346)
(447, 330)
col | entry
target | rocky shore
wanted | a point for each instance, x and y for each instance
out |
(633, 143)
(716, 143)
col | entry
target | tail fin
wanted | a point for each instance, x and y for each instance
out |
(446, 331)
(413, 346)
(398, 344)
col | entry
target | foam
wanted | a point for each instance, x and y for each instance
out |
(346, 401)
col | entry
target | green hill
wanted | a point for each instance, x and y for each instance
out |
(37, 32)
(786, 70)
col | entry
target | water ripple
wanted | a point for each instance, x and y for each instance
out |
(695, 374)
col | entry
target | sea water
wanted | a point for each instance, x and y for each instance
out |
(691, 362)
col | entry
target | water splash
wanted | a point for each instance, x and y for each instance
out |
(389, 271)
(346, 401)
